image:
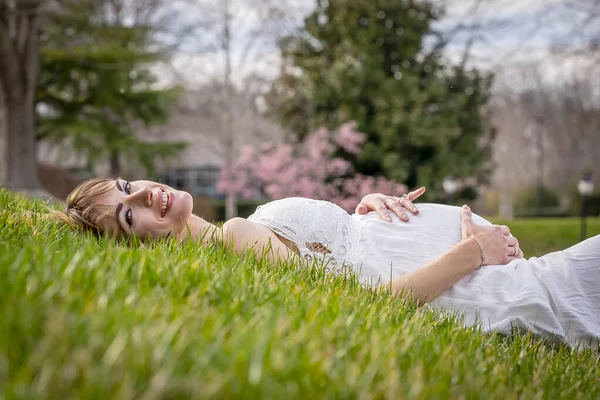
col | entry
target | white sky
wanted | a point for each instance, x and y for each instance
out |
(508, 33)
(512, 34)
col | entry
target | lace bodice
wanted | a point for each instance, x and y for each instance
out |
(321, 230)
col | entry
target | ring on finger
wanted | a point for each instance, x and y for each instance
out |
(516, 251)
(404, 196)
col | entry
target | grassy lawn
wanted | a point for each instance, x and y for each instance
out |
(86, 318)
(541, 236)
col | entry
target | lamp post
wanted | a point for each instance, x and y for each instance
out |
(449, 186)
(585, 187)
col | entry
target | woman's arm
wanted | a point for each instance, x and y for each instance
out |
(430, 280)
(243, 235)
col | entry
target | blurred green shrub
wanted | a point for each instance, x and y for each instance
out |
(539, 236)
(593, 207)
(526, 203)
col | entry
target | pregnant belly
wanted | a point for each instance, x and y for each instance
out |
(392, 249)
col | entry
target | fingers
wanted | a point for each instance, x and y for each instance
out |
(466, 222)
(361, 209)
(406, 203)
(382, 210)
(505, 230)
(416, 193)
(514, 253)
(512, 241)
(465, 212)
(397, 208)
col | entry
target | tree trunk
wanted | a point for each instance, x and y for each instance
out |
(19, 47)
(3, 142)
(506, 206)
(231, 210)
(22, 158)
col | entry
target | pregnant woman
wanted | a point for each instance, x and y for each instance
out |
(437, 256)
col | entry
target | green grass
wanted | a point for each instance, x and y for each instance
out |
(86, 318)
(544, 235)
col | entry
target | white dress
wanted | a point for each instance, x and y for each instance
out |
(556, 296)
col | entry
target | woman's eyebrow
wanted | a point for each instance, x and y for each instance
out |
(118, 185)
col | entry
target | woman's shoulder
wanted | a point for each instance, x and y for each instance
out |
(243, 234)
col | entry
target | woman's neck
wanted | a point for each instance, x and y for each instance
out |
(198, 229)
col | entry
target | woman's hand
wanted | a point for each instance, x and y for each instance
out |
(381, 204)
(496, 242)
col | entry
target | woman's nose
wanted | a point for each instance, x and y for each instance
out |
(142, 197)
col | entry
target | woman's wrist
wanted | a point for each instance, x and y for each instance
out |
(473, 250)
(481, 252)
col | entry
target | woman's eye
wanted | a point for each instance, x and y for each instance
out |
(128, 217)
(127, 188)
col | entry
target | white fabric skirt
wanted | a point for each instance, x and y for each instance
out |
(556, 296)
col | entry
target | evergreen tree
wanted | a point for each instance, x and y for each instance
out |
(379, 63)
(96, 87)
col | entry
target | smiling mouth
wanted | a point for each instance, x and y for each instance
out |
(164, 203)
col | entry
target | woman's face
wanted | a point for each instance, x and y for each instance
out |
(148, 209)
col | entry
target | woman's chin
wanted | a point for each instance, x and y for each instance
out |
(184, 205)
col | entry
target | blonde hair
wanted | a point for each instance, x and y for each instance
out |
(84, 210)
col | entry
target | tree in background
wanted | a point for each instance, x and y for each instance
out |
(379, 63)
(237, 41)
(308, 169)
(96, 88)
(547, 129)
(19, 44)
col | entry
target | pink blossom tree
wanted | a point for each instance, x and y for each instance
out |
(308, 169)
